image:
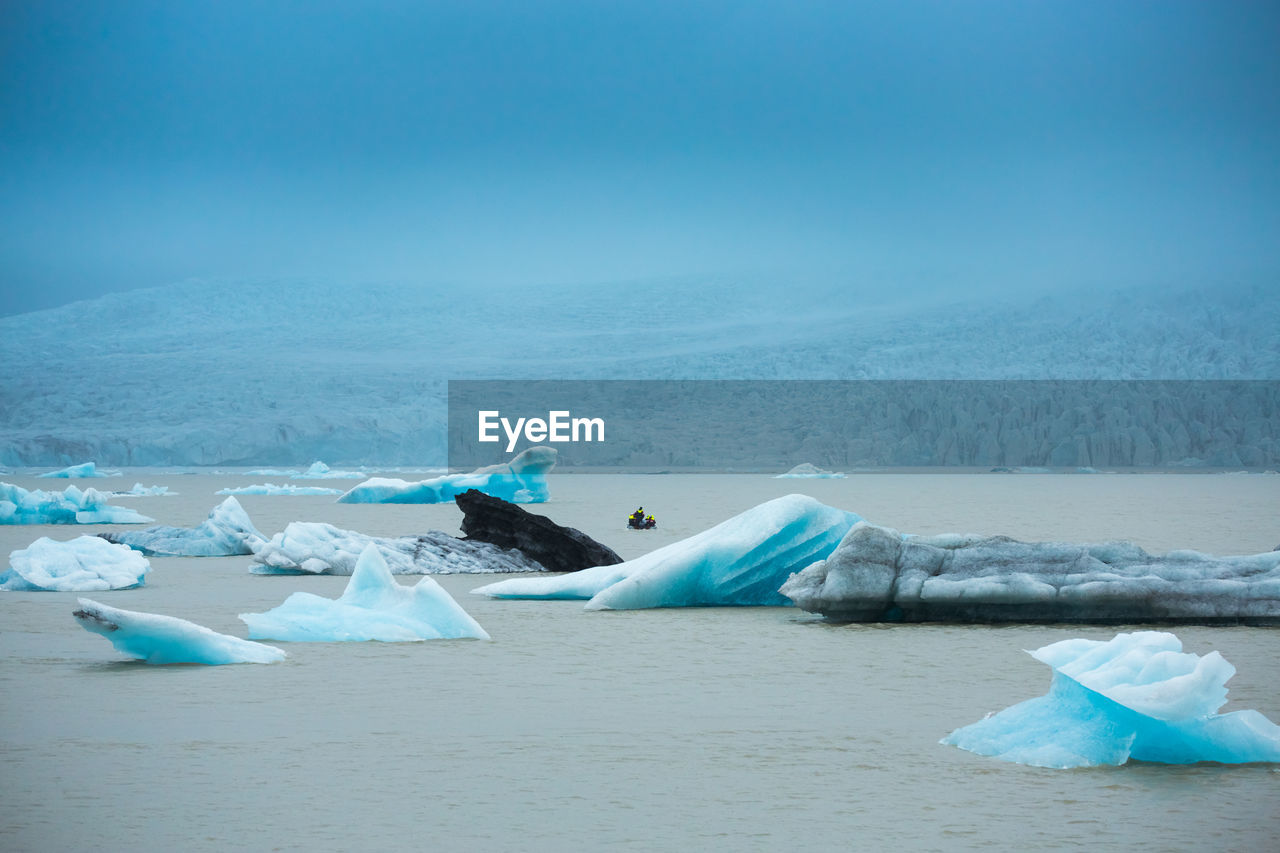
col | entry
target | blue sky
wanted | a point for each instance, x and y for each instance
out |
(969, 145)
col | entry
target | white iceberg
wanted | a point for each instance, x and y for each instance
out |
(522, 480)
(70, 506)
(84, 564)
(315, 548)
(83, 470)
(373, 607)
(809, 471)
(158, 639)
(741, 561)
(1137, 696)
(227, 532)
(272, 489)
(878, 574)
(321, 471)
(141, 491)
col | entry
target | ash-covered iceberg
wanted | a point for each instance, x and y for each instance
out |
(227, 532)
(522, 480)
(1137, 696)
(502, 523)
(84, 564)
(878, 575)
(373, 607)
(83, 470)
(314, 548)
(287, 490)
(741, 561)
(809, 471)
(160, 639)
(70, 506)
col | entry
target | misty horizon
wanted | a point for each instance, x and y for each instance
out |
(992, 148)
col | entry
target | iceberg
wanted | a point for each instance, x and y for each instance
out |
(522, 480)
(86, 469)
(225, 533)
(809, 471)
(84, 564)
(272, 489)
(314, 548)
(158, 639)
(141, 491)
(321, 471)
(71, 506)
(373, 607)
(502, 523)
(878, 575)
(1137, 696)
(741, 561)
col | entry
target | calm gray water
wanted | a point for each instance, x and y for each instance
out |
(733, 729)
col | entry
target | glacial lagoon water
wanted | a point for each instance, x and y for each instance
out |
(726, 729)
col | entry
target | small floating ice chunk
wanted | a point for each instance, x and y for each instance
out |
(83, 470)
(141, 491)
(225, 533)
(809, 471)
(70, 506)
(84, 564)
(522, 480)
(160, 639)
(741, 561)
(373, 607)
(1137, 696)
(321, 471)
(286, 490)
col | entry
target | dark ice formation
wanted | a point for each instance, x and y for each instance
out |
(559, 549)
(878, 575)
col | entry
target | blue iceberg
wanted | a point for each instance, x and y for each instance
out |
(373, 607)
(1137, 696)
(741, 561)
(522, 480)
(227, 532)
(158, 639)
(71, 506)
(85, 564)
(83, 470)
(280, 491)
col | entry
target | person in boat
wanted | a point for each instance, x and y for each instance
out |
(650, 522)
(636, 519)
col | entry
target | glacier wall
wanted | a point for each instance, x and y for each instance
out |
(283, 373)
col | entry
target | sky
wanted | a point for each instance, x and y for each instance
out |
(969, 145)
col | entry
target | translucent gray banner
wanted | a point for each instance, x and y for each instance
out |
(772, 425)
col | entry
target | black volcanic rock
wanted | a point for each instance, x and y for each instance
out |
(559, 549)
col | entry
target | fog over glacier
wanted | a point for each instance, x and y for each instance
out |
(272, 372)
(627, 190)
